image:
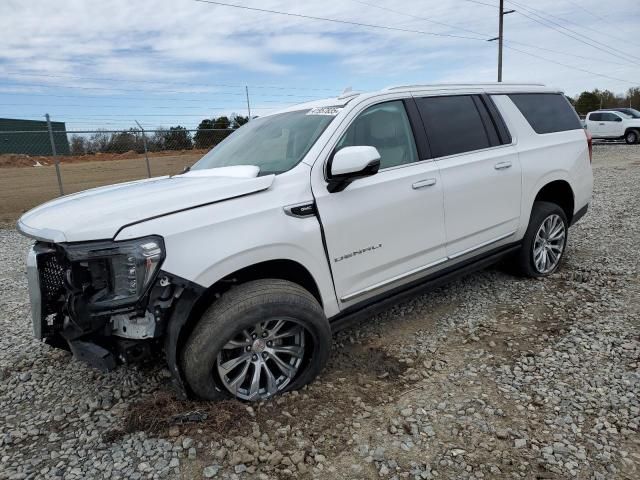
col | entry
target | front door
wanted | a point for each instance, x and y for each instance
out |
(387, 229)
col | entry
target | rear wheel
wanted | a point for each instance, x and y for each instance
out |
(259, 339)
(632, 136)
(544, 243)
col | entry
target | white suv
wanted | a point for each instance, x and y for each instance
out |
(299, 222)
(612, 124)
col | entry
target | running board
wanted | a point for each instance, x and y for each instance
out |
(359, 312)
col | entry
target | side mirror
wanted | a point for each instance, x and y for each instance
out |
(618, 119)
(349, 164)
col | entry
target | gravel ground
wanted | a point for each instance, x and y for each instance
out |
(490, 377)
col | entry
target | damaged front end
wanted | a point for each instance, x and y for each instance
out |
(108, 302)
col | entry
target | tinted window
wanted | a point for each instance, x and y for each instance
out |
(595, 117)
(547, 112)
(609, 117)
(386, 127)
(453, 124)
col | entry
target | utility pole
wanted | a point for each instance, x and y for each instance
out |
(500, 36)
(246, 91)
(55, 154)
(146, 154)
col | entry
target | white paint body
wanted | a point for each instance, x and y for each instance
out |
(411, 220)
(610, 128)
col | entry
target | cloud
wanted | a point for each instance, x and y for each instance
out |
(156, 46)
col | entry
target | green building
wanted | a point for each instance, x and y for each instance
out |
(31, 137)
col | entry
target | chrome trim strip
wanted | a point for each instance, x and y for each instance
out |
(376, 286)
(35, 298)
(415, 271)
(483, 244)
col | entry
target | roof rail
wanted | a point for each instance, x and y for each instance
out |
(449, 85)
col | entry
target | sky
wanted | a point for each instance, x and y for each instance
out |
(105, 64)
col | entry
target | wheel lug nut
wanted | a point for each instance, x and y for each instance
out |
(254, 336)
(264, 355)
(254, 357)
(269, 343)
(264, 334)
(248, 348)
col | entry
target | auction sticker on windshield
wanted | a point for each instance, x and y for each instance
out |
(333, 111)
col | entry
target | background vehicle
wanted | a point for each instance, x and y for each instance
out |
(241, 268)
(613, 124)
(632, 112)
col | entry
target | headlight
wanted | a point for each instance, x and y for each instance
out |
(113, 274)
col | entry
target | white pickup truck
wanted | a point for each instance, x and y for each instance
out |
(241, 268)
(613, 125)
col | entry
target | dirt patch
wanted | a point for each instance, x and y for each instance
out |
(13, 160)
(159, 412)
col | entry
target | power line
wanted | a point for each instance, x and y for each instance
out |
(151, 82)
(484, 35)
(335, 20)
(118, 89)
(577, 5)
(137, 97)
(89, 105)
(430, 20)
(572, 34)
(540, 13)
(573, 67)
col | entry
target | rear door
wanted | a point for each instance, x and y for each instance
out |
(614, 126)
(596, 125)
(480, 170)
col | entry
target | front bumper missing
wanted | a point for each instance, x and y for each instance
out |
(115, 337)
(38, 315)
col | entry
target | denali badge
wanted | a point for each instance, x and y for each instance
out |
(356, 252)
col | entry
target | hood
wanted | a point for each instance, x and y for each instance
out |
(99, 213)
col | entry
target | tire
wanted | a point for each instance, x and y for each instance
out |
(534, 240)
(235, 327)
(631, 137)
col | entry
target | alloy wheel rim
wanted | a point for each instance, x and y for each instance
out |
(631, 137)
(262, 360)
(549, 244)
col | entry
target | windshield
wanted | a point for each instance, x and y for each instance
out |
(633, 112)
(275, 144)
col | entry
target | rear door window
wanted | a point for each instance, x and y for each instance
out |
(547, 112)
(454, 124)
(595, 117)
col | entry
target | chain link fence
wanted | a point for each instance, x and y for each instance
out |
(38, 165)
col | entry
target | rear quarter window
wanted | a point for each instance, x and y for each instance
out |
(547, 112)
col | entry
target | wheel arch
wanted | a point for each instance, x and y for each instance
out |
(560, 193)
(632, 129)
(184, 320)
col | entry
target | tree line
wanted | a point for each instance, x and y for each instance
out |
(588, 101)
(209, 133)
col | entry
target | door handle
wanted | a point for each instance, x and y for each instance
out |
(601, 124)
(502, 165)
(428, 182)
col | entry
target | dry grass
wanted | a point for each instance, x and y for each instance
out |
(22, 188)
(159, 412)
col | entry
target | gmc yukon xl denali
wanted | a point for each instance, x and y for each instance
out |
(240, 268)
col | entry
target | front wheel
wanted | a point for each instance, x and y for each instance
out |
(259, 339)
(544, 242)
(631, 137)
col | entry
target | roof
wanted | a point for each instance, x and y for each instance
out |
(486, 87)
